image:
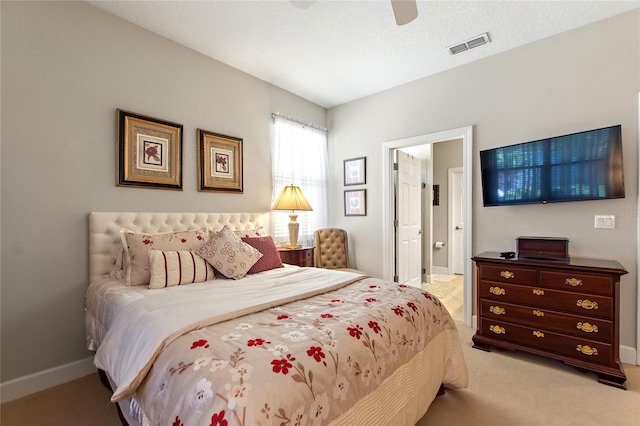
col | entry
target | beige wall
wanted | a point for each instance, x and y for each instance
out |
(66, 67)
(582, 79)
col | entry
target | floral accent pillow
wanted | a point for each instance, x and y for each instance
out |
(270, 258)
(251, 233)
(137, 247)
(171, 268)
(229, 255)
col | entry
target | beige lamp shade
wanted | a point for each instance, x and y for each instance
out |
(291, 198)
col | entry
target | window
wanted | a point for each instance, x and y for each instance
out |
(300, 158)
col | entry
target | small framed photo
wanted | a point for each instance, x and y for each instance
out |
(219, 162)
(355, 171)
(355, 202)
(148, 151)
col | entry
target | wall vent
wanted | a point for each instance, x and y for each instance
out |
(469, 44)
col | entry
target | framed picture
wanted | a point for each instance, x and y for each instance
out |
(219, 162)
(355, 171)
(355, 202)
(149, 152)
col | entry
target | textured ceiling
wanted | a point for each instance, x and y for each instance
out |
(331, 51)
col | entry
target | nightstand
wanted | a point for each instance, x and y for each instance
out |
(302, 256)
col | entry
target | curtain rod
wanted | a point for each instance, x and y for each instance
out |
(299, 121)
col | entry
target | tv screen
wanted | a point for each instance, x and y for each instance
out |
(575, 167)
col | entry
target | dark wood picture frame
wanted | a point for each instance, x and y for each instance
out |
(148, 152)
(355, 171)
(355, 202)
(219, 162)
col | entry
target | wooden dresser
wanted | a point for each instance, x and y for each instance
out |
(566, 310)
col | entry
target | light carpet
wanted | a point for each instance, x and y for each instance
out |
(505, 388)
(514, 388)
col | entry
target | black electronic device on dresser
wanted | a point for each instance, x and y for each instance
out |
(562, 308)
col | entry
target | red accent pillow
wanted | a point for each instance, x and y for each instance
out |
(270, 258)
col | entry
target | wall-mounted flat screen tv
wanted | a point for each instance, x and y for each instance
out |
(576, 167)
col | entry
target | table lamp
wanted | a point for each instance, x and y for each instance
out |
(291, 198)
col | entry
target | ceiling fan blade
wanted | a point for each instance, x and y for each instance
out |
(405, 11)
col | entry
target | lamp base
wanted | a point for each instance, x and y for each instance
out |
(290, 246)
(293, 231)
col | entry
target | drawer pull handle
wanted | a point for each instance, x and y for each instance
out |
(497, 310)
(507, 274)
(573, 282)
(538, 313)
(587, 350)
(538, 292)
(586, 327)
(538, 333)
(497, 291)
(497, 329)
(587, 304)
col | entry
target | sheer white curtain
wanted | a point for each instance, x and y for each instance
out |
(299, 155)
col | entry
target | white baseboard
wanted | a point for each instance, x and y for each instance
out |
(628, 355)
(26, 385)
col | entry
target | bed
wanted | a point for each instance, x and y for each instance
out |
(272, 344)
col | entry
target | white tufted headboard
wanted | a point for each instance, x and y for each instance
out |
(104, 231)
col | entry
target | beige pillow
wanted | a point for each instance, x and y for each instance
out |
(229, 255)
(137, 247)
(171, 268)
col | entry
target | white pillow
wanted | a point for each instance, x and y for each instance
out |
(171, 268)
(229, 255)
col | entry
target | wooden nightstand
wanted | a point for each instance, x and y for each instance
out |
(302, 256)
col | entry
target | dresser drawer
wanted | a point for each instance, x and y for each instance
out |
(537, 297)
(506, 274)
(576, 325)
(574, 347)
(582, 283)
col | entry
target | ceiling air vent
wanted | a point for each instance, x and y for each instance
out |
(469, 44)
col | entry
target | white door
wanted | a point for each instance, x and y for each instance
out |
(409, 220)
(456, 220)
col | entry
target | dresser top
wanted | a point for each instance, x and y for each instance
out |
(597, 265)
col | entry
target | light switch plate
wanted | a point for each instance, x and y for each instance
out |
(604, 222)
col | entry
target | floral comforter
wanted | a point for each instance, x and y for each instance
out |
(304, 362)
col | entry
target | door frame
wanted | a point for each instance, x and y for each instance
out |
(450, 235)
(388, 252)
(638, 259)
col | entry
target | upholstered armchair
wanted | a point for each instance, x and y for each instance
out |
(332, 249)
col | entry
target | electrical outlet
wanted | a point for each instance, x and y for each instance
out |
(604, 222)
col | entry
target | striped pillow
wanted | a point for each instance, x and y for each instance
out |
(171, 268)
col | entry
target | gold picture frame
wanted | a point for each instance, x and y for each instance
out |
(219, 162)
(355, 202)
(148, 151)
